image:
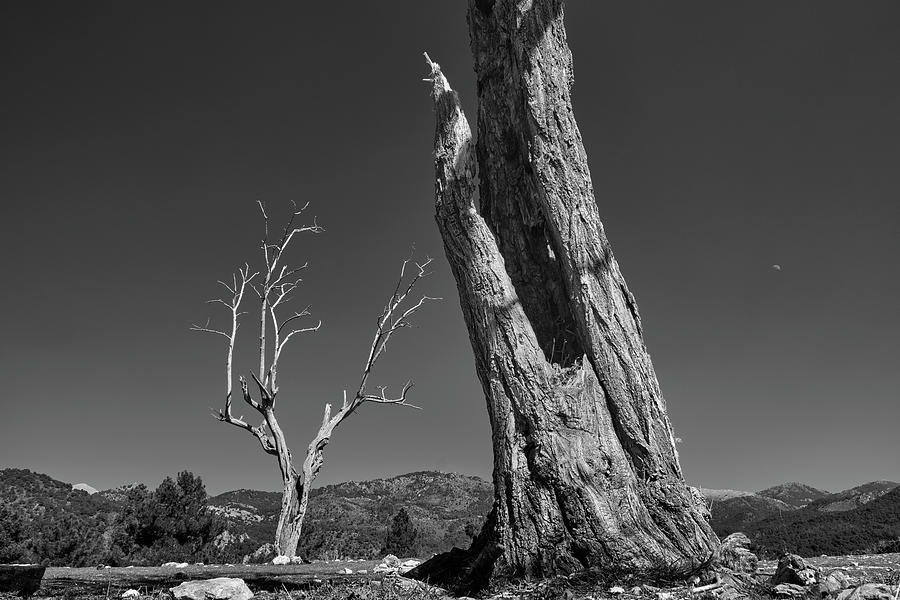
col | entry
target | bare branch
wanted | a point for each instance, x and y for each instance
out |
(206, 329)
(248, 398)
(383, 399)
(297, 315)
(259, 432)
(266, 397)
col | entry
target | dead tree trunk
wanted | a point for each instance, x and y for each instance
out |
(586, 473)
(274, 291)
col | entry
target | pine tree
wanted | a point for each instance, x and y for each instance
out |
(402, 538)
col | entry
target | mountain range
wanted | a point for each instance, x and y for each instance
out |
(804, 520)
(351, 519)
(344, 520)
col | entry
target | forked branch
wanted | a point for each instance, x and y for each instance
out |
(396, 315)
(279, 283)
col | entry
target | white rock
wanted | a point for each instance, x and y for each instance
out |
(363, 572)
(346, 571)
(281, 559)
(391, 561)
(408, 565)
(132, 593)
(616, 589)
(220, 588)
(296, 560)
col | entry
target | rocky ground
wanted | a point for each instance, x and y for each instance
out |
(879, 576)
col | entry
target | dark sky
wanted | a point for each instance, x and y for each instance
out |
(724, 138)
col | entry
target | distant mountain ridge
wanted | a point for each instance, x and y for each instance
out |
(794, 493)
(351, 519)
(869, 528)
(733, 512)
(799, 518)
(854, 497)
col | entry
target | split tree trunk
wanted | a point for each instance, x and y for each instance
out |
(290, 521)
(295, 494)
(586, 473)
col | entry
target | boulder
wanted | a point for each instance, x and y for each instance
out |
(281, 559)
(220, 588)
(834, 583)
(735, 554)
(175, 565)
(132, 593)
(868, 591)
(793, 569)
(391, 561)
(346, 571)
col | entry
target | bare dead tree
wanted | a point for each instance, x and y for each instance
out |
(274, 286)
(586, 472)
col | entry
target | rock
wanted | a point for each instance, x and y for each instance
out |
(132, 593)
(261, 555)
(735, 554)
(833, 583)
(346, 571)
(383, 568)
(409, 565)
(391, 561)
(868, 591)
(616, 590)
(298, 560)
(281, 559)
(174, 565)
(793, 569)
(789, 590)
(664, 596)
(220, 588)
(362, 572)
(636, 591)
(727, 593)
(408, 586)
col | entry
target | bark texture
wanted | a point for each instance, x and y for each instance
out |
(586, 473)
